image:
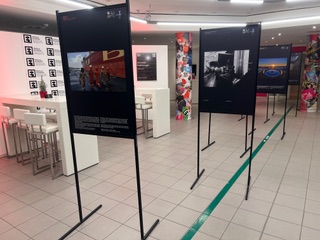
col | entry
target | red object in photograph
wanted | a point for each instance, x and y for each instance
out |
(43, 94)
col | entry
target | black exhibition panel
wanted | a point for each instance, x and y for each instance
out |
(228, 69)
(98, 40)
(295, 68)
(273, 70)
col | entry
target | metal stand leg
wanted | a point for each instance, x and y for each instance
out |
(209, 143)
(267, 117)
(274, 104)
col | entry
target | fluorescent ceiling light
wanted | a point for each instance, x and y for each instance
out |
(78, 4)
(138, 20)
(291, 20)
(202, 24)
(247, 1)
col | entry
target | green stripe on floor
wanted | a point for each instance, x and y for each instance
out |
(206, 213)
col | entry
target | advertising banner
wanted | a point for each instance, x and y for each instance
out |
(147, 66)
(311, 74)
(295, 68)
(273, 70)
(97, 63)
(228, 69)
(183, 75)
(43, 61)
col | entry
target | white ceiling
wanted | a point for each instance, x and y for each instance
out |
(38, 17)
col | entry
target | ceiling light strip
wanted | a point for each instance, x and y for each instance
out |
(137, 20)
(202, 24)
(247, 1)
(78, 4)
(290, 20)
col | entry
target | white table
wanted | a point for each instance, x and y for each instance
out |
(86, 145)
(160, 113)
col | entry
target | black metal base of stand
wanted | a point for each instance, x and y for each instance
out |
(151, 229)
(248, 188)
(242, 117)
(195, 182)
(273, 113)
(283, 135)
(79, 223)
(266, 120)
(244, 152)
(251, 131)
(207, 146)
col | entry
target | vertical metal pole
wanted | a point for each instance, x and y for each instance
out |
(198, 146)
(274, 103)
(250, 159)
(136, 154)
(267, 114)
(246, 135)
(284, 119)
(209, 129)
(298, 93)
(76, 176)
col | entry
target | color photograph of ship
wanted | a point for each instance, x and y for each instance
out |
(102, 71)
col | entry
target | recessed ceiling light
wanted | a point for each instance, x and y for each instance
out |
(314, 27)
(279, 34)
(266, 41)
(272, 38)
(78, 4)
(144, 38)
(247, 1)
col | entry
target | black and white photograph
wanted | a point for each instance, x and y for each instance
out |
(224, 69)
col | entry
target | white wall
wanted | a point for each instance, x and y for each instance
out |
(162, 65)
(12, 70)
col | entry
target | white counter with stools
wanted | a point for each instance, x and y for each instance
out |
(160, 113)
(86, 145)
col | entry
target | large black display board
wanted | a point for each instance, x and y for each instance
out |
(295, 69)
(228, 69)
(273, 72)
(97, 63)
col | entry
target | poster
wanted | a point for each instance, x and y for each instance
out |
(98, 71)
(273, 70)
(146, 66)
(295, 69)
(311, 75)
(228, 68)
(43, 61)
(183, 75)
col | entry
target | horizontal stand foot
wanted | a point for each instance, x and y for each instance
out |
(79, 223)
(241, 118)
(273, 113)
(151, 229)
(208, 146)
(283, 135)
(195, 182)
(244, 152)
(266, 120)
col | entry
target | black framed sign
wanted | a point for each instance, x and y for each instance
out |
(147, 66)
(273, 70)
(97, 63)
(228, 69)
(295, 68)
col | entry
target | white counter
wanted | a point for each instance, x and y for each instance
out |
(160, 109)
(86, 145)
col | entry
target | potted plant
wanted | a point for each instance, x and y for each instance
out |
(43, 88)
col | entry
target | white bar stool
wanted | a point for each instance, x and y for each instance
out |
(46, 134)
(6, 122)
(18, 114)
(144, 107)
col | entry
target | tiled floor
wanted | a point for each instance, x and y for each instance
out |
(284, 201)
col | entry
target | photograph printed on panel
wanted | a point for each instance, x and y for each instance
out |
(102, 71)
(225, 69)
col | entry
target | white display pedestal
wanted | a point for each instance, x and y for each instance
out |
(86, 145)
(160, 109)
